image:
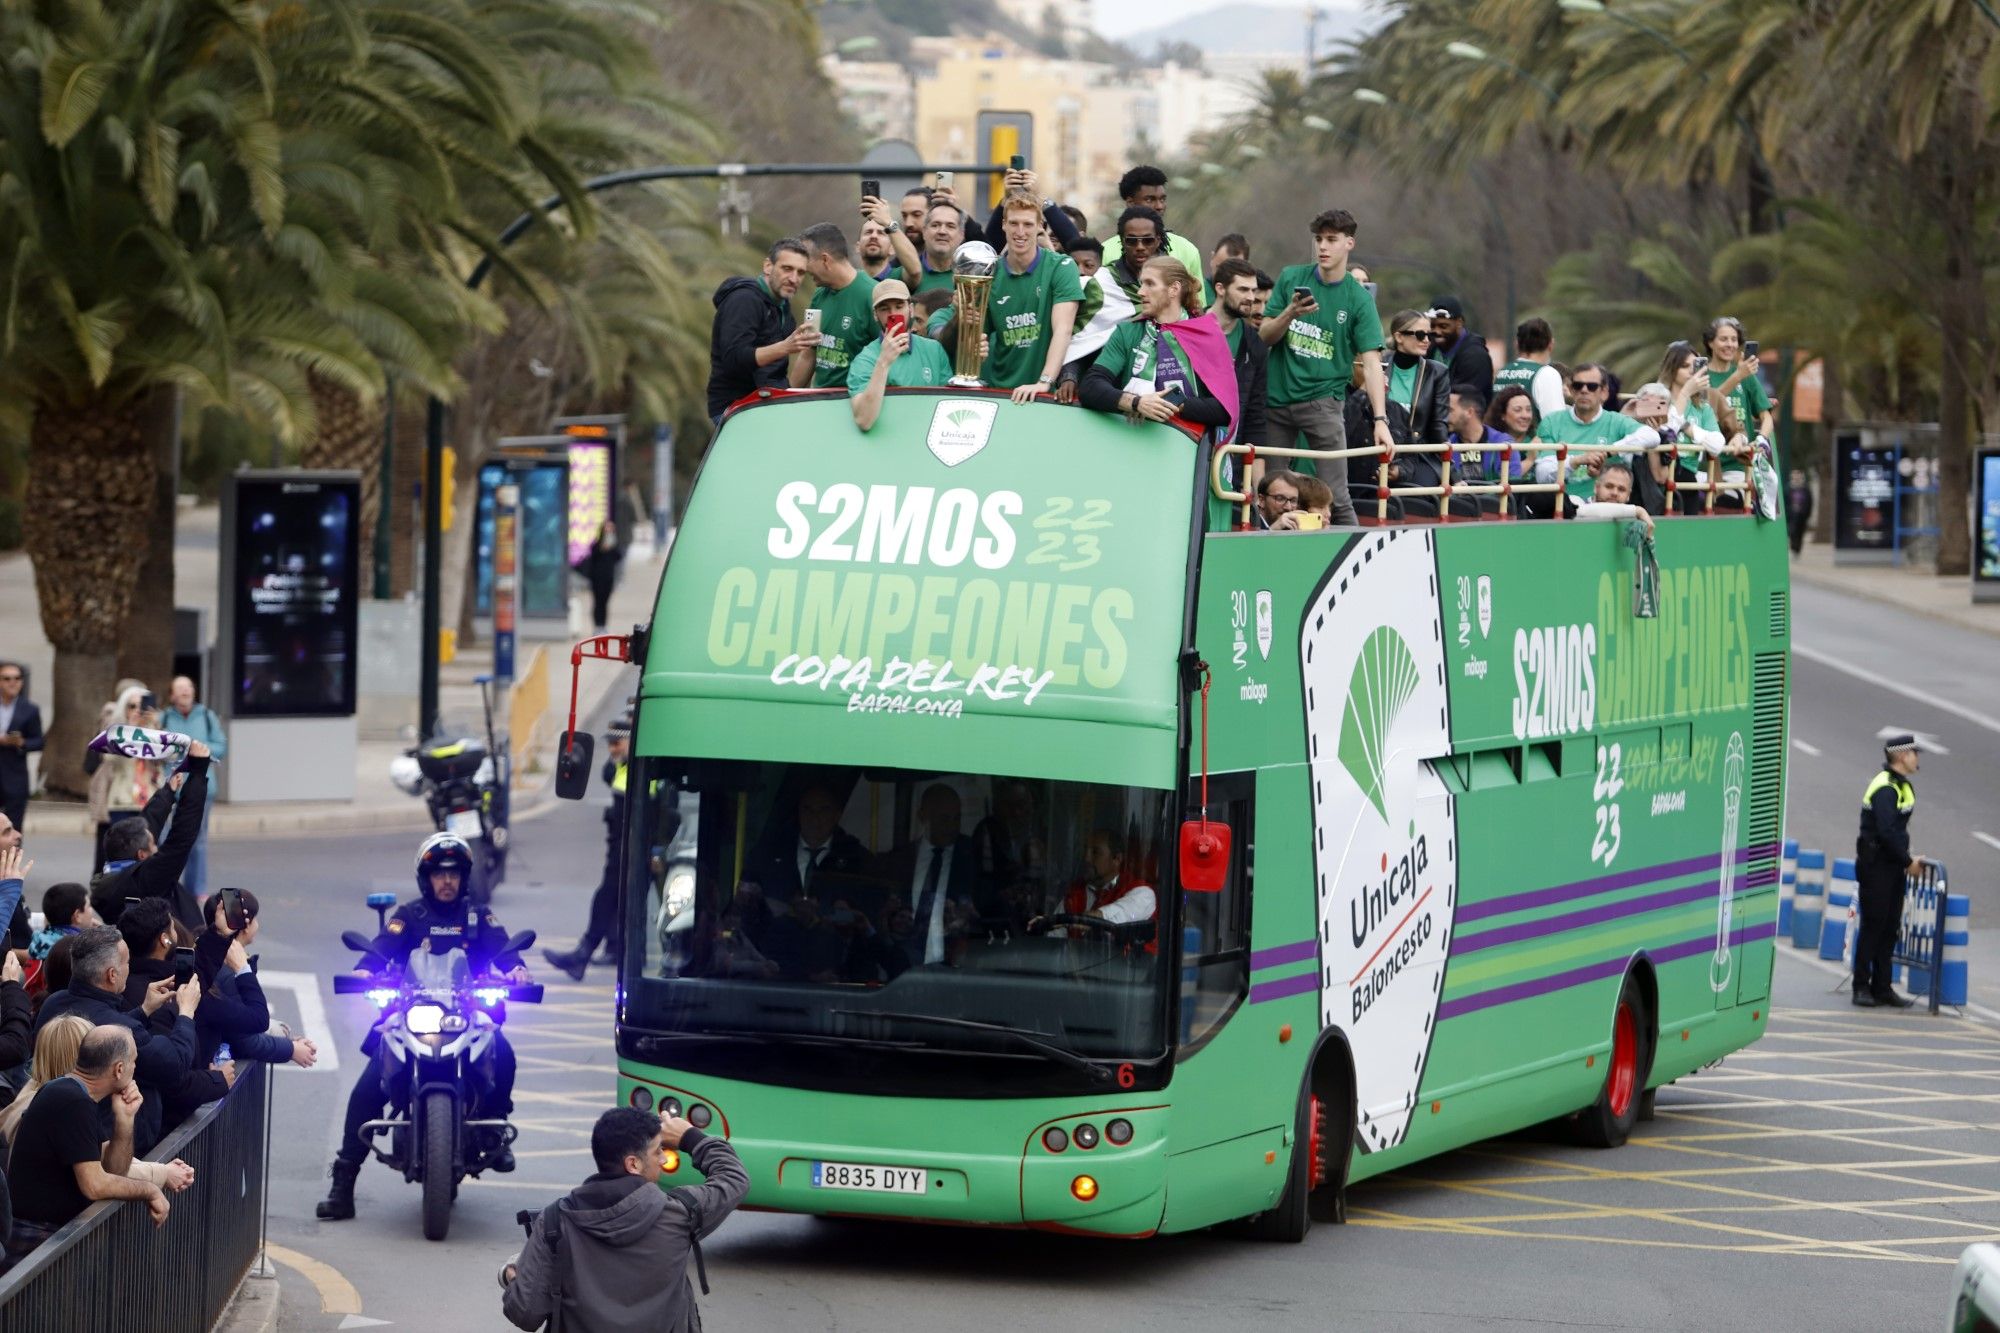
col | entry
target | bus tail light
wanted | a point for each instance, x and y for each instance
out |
(1084, 1188)
(1055, 1138)
(1085, 1136)
(1119, 1132)
(670, 1161)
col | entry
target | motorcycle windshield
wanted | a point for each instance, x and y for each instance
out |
(439, 971)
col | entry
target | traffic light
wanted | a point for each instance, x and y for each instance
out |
(1002, 135)
(447, 486)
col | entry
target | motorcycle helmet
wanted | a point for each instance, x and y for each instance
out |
(443, 851)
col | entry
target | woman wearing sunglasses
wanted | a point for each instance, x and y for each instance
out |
(1418, 405)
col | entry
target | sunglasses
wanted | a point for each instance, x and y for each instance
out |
(1421, 335)
(1586, 385)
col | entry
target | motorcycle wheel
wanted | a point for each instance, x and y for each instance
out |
(438, 1183)
(482, 878)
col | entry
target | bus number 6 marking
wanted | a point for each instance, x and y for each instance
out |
(1126, 1078)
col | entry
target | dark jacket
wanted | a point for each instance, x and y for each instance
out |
(775, 868)
(159, 875)
(1471, 363)
(1100, 392)
(17, 1025)
(444, 926)
(1885, 826)
(613, 1255)
(14, 763)
(165, 1065)
(599, 568)
(233, 1009)
(201, 1084)
(748, 315)
(1252, 361)
(1426, 421)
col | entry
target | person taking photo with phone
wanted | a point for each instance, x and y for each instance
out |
(901, 356)
(148, 932)
(235, 1017)
(1732, 375)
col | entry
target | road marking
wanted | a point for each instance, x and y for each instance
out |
(1838, 970)
(1897, 687)
(336, 1294)
(1803, 748)
(1988, 839)
(304, 987)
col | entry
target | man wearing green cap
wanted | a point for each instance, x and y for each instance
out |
(1882, 863)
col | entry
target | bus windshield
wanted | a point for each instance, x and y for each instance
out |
(941, 912)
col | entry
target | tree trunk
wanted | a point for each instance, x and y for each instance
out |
(146, 640)
(348, 437)
(1962, 324)
(90, 480)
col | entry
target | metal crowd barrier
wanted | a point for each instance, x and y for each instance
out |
(112, 1271)
(1711, 484)
(1930, 955)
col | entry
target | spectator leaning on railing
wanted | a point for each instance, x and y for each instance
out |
(75, 1143)
(165, 1038)
(234, 1012)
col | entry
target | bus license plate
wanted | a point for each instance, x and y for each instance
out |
(878, 1179)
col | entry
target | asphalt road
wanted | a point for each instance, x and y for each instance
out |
(1823, 1180)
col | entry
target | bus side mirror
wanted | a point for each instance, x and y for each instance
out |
(573, 765)
(1204, 855)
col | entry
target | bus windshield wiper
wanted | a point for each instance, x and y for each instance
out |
(1028, 1039)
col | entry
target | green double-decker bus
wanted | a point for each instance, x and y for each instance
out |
(912, 912)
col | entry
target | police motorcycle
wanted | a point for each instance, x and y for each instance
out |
(438, 1025)
(465, 782)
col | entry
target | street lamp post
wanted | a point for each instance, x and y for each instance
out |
(1480, 177)
(427, 681)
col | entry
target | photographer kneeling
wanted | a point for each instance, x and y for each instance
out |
(613, 1254)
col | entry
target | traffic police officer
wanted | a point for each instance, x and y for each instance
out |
(442, 919)
(602, 925)
(1882, 861)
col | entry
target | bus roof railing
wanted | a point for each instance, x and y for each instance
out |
(1709, 482)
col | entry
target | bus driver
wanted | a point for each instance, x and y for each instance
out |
(1105, 892)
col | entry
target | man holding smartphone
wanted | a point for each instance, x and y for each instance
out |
(1317, 323)
(840, 311)
(20, 736)
(901, 356)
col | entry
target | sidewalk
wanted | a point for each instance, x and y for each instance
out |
(378, 804)
(1912, 588)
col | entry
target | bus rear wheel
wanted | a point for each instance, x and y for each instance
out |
(1608, 1122)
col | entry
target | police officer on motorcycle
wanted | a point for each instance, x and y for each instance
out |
(443, 918)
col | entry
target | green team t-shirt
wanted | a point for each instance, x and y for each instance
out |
(846, 325)
(923, 365)
(1519, 371)
(1019, 311)
(1133, 353)
(1748, 400)
(1603, 429)
(1316, 359)
(929, 279)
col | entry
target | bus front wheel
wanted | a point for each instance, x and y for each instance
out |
(1316, 1184)
(1607, 1122)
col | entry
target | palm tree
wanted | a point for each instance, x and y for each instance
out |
(141, 184)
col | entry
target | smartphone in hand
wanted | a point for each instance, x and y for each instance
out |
(1750, 351)
(1017, 163)
(871, 189)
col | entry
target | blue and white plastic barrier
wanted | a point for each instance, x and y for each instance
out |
(1788, 879)
(1956, 982)
(1809, 899)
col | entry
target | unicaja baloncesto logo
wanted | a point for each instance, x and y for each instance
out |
(1385, 676)
(959, 429)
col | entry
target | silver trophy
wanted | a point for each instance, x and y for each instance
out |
(972, 268)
